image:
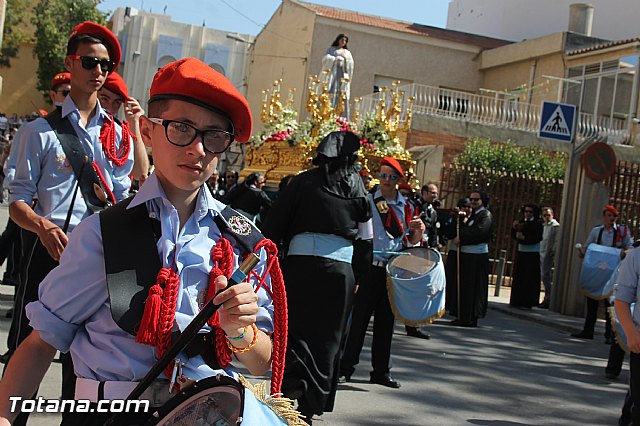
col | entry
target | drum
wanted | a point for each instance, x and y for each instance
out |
(599, 264)
(416, 286)
(621, 337)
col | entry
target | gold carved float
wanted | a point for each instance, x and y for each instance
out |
(286, 146)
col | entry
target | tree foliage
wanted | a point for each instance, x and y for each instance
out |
(16, 14)
(54, 20)
(510, 158)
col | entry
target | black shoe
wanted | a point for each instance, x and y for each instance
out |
(459, 323)
(4, 358)
(384, 380)
(583, 335)
(544, 305)
(611, 374)
(416, 332)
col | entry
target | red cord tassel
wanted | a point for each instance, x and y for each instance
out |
(148, 332)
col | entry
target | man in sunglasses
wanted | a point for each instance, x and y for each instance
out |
(60, 88)
(70, 176)
(395, 225)
(113, 94)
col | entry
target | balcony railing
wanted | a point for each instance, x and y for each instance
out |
(499, 110)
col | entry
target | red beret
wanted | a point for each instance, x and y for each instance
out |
(193, 81)
(405, 186)
(62, 78)
(609, 208)
(116, 84)
(103, 33)
(393, 163)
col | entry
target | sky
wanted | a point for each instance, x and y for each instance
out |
(248, 16)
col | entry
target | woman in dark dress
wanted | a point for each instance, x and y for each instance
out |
(525, 287)
(317, 218)
(450, 230)
(473, 241)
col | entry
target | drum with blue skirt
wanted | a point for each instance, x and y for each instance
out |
(621, 337)
(599, 264)
(416, 286)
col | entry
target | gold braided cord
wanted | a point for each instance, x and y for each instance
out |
(283, 407)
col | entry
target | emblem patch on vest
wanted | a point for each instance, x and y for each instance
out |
(240, 225)
(382, 206)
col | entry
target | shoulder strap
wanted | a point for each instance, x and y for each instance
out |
(599, 240)
(131, 267)
(239, 230)
(82, 168)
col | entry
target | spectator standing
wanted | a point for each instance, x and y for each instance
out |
(525, 287)
(248, 198)
(608, 234)
(216, 187)
(457, 218)
(550, 229)
(473, 243)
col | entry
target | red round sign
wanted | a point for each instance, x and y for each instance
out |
(599, 161)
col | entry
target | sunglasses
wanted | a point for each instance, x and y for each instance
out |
(64, 92)
(546, 215)
(90, 62)
(474, 199)
(392, 177)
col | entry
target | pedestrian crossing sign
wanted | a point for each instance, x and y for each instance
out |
(557, 121)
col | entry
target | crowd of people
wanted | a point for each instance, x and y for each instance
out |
(109, 290)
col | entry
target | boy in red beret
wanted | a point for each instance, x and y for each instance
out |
(74, 163)
(395, 225)
(608, 234)
(60, 88)
(112, 96)
(133, 277)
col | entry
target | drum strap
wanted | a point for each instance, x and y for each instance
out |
(615, 236)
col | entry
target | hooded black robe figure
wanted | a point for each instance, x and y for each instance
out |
(316, 219)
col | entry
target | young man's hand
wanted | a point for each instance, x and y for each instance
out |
(132, 110)
(239, 306)
(53, 239)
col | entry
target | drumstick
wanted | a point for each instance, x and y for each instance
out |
(391, 253)
(192, 329)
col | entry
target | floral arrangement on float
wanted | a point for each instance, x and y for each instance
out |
(286, 144)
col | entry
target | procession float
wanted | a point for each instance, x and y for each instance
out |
(286, 145)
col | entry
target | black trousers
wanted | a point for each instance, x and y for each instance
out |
(634, 385)
(36, 264)
(592, 316)
(371, 299)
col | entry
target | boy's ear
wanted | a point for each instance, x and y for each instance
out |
(145, 130)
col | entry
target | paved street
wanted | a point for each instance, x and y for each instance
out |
(519, 368)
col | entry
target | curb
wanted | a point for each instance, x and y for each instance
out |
(546, 318)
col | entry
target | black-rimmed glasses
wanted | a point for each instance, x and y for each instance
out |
(90, 62)
(183, 134)
(64, 92)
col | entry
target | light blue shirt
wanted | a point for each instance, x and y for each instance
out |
(607, 236)
(381, 240)
(42, 170)
(72, 313)
(627, 288)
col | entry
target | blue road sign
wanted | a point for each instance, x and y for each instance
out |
(557, 121)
